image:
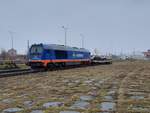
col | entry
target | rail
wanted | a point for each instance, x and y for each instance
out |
(15, 72)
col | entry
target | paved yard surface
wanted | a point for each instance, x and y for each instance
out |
(121, 87)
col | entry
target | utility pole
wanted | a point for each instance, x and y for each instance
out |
(12, 44)
(82, 36)
(28, 45)
(65, 29)
(12, 39)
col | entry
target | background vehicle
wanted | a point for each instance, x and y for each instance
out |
(96, 59)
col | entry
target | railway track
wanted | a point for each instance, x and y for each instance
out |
(12, 70)
(18, 72)
(15, 72)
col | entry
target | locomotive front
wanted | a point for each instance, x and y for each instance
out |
(35, 55)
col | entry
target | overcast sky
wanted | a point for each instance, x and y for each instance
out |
(108, 25)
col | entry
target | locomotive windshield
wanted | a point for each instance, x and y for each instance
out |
(36, 50)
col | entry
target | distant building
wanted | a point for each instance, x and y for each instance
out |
(147, 54)
(12, 52)
(21, 58)
(138, 55)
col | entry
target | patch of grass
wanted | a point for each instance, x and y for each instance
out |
(32, 97)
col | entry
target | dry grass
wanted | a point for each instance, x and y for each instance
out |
(67, 86)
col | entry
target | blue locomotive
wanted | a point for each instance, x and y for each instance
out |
(53, 55)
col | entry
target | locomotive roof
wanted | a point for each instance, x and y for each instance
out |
(62, 47)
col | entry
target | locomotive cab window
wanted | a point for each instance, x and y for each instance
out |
(60, 54)
(36, 50)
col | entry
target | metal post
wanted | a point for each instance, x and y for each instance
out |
(65, 37)
(12, 42)
(65, 29)
(28, 45)
(12, 39)
(82, 36)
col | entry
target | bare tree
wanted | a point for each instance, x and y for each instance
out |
(3, 54)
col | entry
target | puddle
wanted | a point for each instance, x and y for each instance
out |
(77, 81)
(86, 98)
(101, 82)
(53, 104)
(115, 87)
(137, 97)
(80, 105)
(103, 112)
(89, 81)
(108, 98)
(93, 93)
(69, 112)
(28, 104)
(37, 111)
(108, 106)
(70, 84)
(22, 96)
(94, 88)
(12, 110)
(66, 81)
(112, 92)
(8, 101)
(97, 84)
